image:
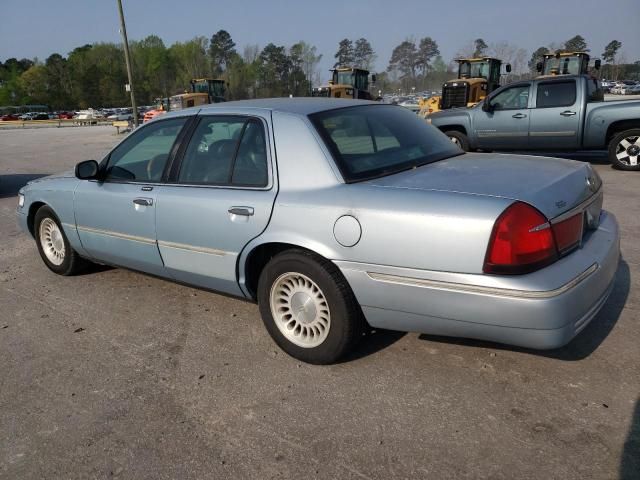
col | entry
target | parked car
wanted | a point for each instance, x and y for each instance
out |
(65, 115)
(10, 117)
(89, 116)
(563, 113)
(630, 89)
(366, 216)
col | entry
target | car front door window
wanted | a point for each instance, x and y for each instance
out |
(142, 157)
(514, 98)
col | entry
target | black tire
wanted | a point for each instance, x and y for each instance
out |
(459, 138)
(346, 319)
(615, 147)
(72, 262)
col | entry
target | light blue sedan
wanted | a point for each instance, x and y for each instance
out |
(339, 215)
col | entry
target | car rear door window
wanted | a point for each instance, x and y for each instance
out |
(556, 94)
(143, 155)
(226, 150)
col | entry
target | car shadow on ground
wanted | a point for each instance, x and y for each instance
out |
(10, 184)
(373, 341)
(582, 345)
(630, 461)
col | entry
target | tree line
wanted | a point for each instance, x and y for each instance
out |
(94, 75)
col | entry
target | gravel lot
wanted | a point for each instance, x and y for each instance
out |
(116, 374)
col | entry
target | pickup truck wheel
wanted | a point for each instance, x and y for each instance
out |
(308, 307)
(459, 138)
(624, 150)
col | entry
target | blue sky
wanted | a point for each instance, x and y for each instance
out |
(37, 28)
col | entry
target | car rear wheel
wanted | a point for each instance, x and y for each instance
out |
(53, 246)
(459, 138)
(308, 307)
(624, 150)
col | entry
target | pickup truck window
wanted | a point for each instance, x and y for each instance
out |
(556, 94)
(513, 98)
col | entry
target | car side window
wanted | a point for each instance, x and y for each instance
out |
(250, 166)
(556, 94)
(512, 98)
(226, 150)
(144, 154)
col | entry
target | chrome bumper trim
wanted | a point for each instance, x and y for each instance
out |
(461, 287)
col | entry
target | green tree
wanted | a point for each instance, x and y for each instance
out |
(427, 50)
(536, 57)
(58, 81)
(404, 59)
(576, 44)
(273, 67)
(34, 85)
(345, 54)
(480, 47)
(221, 50)
(610, 51)
(363, 54)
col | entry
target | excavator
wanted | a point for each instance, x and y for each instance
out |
(566, 63)
(477, 78)
(203, 92)
(347, 82)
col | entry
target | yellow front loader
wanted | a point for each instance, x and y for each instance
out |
(477, 77)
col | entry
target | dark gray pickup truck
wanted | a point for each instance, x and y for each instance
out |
(559, 113)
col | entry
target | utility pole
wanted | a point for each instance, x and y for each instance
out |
(127, 59)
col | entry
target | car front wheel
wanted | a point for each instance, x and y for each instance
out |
(53, 246)
(624, 150)
(308, 308)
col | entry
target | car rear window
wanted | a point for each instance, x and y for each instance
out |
(370, 141)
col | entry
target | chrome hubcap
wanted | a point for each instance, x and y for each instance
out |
(300, 310)
(51, 241)
(628, 150)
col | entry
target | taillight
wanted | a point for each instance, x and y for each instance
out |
(521, 242)
(568, 233)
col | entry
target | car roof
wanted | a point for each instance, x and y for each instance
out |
(296, 105)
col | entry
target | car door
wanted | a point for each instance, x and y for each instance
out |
(505, 125)
(555, 118)
(220, 198)
(116, 216)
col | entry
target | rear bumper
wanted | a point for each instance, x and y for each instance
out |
(541, 310)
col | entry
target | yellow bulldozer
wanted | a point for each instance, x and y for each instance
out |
(347, 82)
(477, 77)
(203, 91)
(566, 63)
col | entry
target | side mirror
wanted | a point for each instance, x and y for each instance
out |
(87, 170)
(508, 68)
(597, 64)
(539, 67)
(486, 106)
(373, 78)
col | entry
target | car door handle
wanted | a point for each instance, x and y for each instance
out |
(568, 113)
(145, 202)
(519, 115)
(244, 211)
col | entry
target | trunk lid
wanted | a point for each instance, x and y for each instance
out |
(552, 185)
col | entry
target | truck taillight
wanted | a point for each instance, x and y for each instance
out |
(521, 241)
